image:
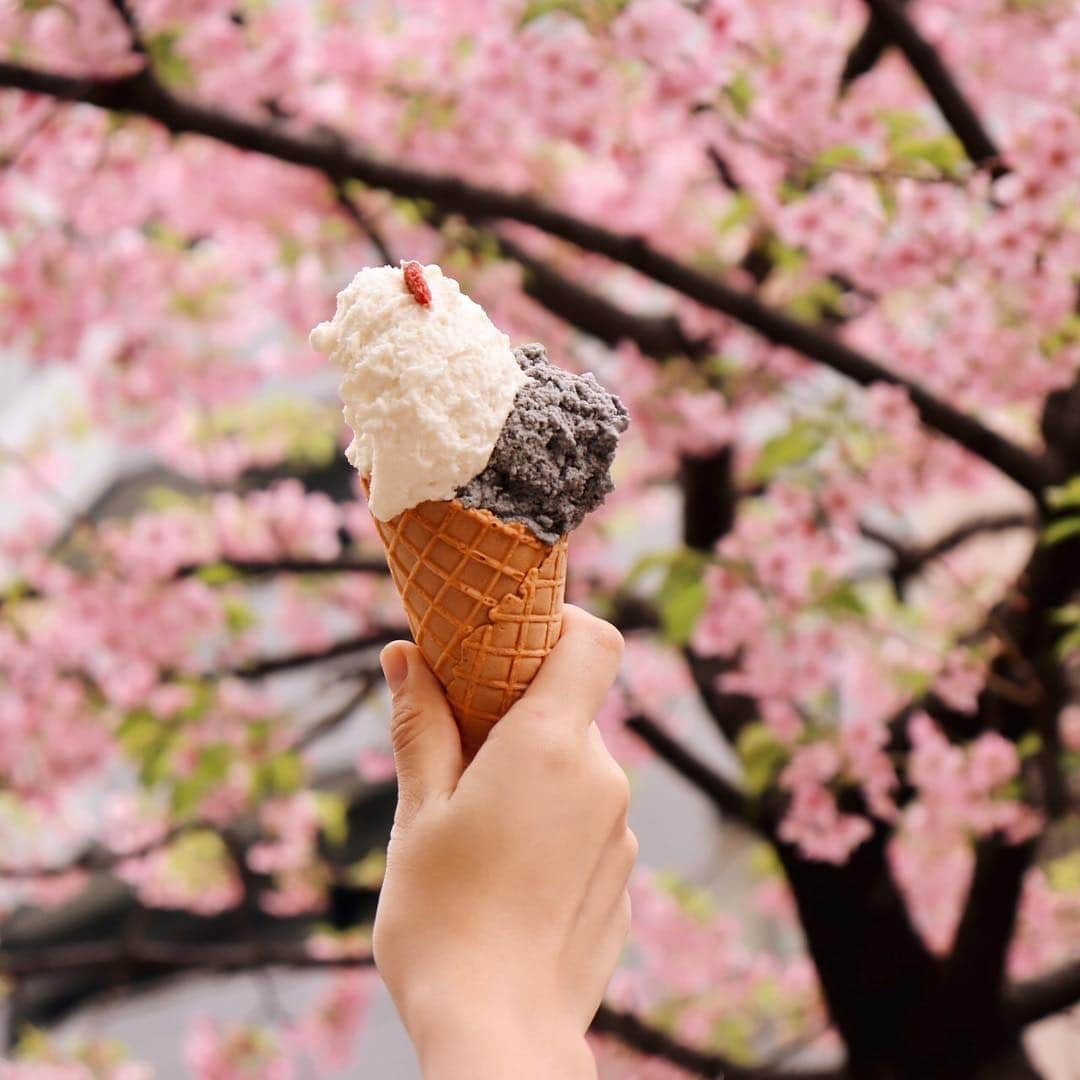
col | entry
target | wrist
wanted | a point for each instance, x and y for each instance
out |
(488, 1043)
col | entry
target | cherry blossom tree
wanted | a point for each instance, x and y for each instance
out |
(826, 251)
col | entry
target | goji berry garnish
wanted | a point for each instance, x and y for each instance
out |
(415, 283)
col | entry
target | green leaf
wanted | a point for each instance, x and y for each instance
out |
(1068, 644)
(652, 561)
(1068, 333)
(211, 768)
(1067, 615)
(186, 795)
(764, 862)
(194, 852)
(146, 741)
(740, 210)
(157, 764)
(1009, 791)
(165, 498)
(282, 774)
(732, 1035)
(259, 732)
(164, 236)
(766, 997)
(791, 447)
(33, 1044)
(1028, 745)
(818, 299)
(1066, 496)
(784, 257)
(202, 695)
(1063, 874)
(238, 615)
(369, 872)
(170, 66)
(696, 901)
(1063, 529)
(762, 756)
(944, 152)
(537, 9)
(217, 573)
(682, 596)
(740, 92)
(214, 762)
(900, 123)
(138, 729)
(680, 611)
(596, 14)
(842, 599)
(831, 160)
(333, 816)
(15, 590)
(844, 154)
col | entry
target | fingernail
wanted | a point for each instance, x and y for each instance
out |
(395, 665)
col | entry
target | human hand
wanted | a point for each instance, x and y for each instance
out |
(504, 907)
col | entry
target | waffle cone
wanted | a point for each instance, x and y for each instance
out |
(484, 600)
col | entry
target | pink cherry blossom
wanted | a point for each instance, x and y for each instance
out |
(216, 1053)
(169, 281)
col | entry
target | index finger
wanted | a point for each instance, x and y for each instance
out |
(576, 675)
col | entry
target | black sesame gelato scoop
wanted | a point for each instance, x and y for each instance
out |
(552, 462)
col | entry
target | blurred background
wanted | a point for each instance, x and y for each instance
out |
(827, 253)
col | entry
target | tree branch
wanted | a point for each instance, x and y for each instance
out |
(99, 859)
(632, 1031)
(725, 796)
(163, 957)
(247, 568)
(911, 560)
(596, 315)
(975, 969)
(866, 52)
(341, 160)
(127, 17)
(363, 223)
(730, 712)
(274, 665)
(710, 504)
(1027, 1002)
(368, 681)
(948, 97)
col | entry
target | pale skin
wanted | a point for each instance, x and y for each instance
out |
(505, 904)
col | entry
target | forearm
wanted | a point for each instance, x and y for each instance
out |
(483, 1047)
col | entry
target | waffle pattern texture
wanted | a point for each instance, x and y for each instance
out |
(484, 600)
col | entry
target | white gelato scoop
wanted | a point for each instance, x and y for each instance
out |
(427, 387)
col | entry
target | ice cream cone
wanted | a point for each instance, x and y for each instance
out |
(484, 600)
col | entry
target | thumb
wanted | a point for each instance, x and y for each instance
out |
(427, 746)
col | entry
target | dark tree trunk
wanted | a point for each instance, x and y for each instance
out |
(878, 978)
(903, 1013)
(1012, 1064)
(709, 499)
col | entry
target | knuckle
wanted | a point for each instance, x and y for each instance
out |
(631, 847)
(617, 788)
(531, 714)
(608, 640)
(557, 752)
(406, 724)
